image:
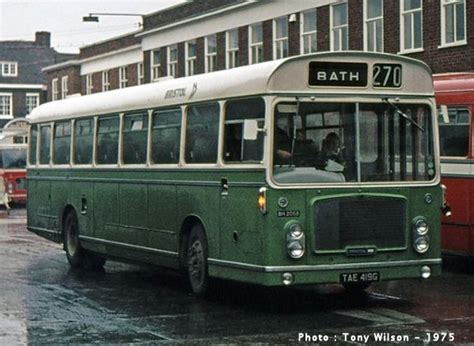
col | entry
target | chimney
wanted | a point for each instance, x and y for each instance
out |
(43, 38)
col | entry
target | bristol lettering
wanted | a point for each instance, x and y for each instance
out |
(175, 93)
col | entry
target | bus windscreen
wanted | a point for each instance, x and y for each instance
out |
(13, 158)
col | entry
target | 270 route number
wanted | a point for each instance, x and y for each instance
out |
(387, 75)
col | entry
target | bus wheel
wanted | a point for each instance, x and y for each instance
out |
(196, 261)
(76, 255)
(74, 251)
(356, 287)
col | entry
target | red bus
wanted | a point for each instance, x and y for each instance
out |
(13, 149)
(13, 170)
(455, 98)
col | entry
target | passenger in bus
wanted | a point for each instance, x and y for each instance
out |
(283, 146)
(331, 157)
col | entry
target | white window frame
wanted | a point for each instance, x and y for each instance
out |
(123, 78)
(456, 42)
(340, 28)
(64, 88)
(155, 66)
(279, 43)
(105, 80)
(9, 68)
(210, 62)
(231, 53)
(10, 106)
(55, 89)
(255, 45)
(31, 105)
(172, 65)
(403, 15)
(372, 23)
(140, 73)
(190, 61)
(305, 36)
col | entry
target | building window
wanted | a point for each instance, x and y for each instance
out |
(9, 69)
(280, 38)
(6, 105)
(89, 85)
(105, 81)
(64, 90)
(232, 48)
(339, 27)
(190, 57)
(32, 101)
(211, 52)
(411, 25)
(155, 65)
(453, 22)
(140, 73)
(255, 43)
(373, 18)
(308, 32)
(54, 89)
(172, 60)
(123, 79)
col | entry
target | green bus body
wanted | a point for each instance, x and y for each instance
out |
(143, 213)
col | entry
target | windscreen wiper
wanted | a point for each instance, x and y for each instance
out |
(403, 115)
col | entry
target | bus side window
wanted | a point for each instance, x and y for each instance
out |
(107, 140)
(202, 129)
(45, 144)
(33, 140)
(62, 142)
(236, 149)
(454, 135)
(165, 134)
(83, 140)
(135, 131)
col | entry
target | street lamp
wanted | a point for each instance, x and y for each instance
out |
(94, 17)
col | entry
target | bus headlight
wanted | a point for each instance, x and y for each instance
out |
(421, 226)
(295, 249)
(296, 231)
(295, 239)
(421, 244)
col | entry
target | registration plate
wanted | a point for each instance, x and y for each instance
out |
(360, 277)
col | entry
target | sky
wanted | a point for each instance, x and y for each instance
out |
(20, 19)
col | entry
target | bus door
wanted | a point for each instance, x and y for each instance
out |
(240, 220)
(457, 170)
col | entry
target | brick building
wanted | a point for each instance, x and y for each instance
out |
(204, 36)
(22, 84)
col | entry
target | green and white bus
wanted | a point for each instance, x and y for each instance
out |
(312, 169)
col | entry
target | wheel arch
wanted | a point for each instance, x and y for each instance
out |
(68, 208)
(186, 226)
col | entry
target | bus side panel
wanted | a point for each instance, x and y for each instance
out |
(106, 210)
(133, 215)
(59, 198)
(241, 226)
(202, 202)
(162, 217)
(457, 229)
(43, 204)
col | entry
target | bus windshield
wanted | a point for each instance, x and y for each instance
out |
(13, 158)
(352, 142)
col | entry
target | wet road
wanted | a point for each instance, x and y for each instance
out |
(44, 302)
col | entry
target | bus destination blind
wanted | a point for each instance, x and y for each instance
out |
(354, 74)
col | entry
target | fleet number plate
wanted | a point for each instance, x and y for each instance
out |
(360, 277)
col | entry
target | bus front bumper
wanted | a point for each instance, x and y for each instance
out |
(326, 273)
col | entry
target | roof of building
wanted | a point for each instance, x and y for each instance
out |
(31, 58)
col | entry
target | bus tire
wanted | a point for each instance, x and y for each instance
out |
(77, 256)
(74, 251)
(196, 261)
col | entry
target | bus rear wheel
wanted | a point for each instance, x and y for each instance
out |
(196, 261)
(76, 255)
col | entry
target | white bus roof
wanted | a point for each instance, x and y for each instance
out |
(288, 76)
